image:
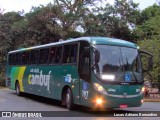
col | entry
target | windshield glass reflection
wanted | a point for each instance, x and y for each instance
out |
(115, 61)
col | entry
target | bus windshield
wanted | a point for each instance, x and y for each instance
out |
(116, 61)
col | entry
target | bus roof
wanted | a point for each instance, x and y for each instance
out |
(91, 40)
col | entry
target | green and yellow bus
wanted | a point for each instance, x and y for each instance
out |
(89, 71)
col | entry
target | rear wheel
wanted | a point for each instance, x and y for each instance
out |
(18, 89)
(69, 99)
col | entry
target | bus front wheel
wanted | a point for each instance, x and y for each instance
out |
(69, 99)
(18, 89)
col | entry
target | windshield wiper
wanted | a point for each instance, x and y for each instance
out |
(134, 76)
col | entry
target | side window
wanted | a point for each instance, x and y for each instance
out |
(18, 58)
(25, 58)
(52, 55)
(10, 59)
(70, 53)
(84, 73)
(58, 55)
(73, 53)
(43, 59)
(14, 59)
(84, 62)
(66, 53)
(34, 56)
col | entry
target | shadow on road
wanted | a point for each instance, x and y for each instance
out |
(40, 99)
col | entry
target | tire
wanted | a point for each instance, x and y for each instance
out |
(18, 89)
(69, 99)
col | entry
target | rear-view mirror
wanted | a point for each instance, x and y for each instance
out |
(147, 61)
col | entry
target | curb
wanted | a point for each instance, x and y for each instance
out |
(151, 100)
(2, 88)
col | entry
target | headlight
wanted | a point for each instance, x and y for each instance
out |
(99, 101)
(143, 89)
(99, 88)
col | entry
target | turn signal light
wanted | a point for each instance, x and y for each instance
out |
(143, 89)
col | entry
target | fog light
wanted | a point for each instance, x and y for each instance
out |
(99, 101)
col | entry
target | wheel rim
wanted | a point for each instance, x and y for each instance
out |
(17, 89)
(67, 98)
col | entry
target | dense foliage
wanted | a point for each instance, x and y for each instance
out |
(69, 19)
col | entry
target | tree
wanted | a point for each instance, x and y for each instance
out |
(6, 34)
(116, 20)
(148, 25)
(150, 29)
(71, 14)
(42, 27)
(148, 13)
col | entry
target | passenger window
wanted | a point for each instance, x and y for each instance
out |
(73, 54)
(14, 59)
(84, 62)
(10, 59)
(52, 55)
(25, 58)
(34, 57)
(43, 59)
(70, 53)
(58, 55)
(18, 58)
(66, 54)
(85, 66)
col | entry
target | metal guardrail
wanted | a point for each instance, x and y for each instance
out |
(154, 94)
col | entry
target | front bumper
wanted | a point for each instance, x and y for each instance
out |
(115, 101)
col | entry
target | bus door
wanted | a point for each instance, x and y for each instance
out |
(84, 73)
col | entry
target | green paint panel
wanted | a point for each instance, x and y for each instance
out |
(55, 83)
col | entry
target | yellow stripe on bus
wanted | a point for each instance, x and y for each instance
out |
(20, 78)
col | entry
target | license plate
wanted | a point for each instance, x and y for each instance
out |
(123, 106)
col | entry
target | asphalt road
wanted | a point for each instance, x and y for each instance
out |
(9, 101)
